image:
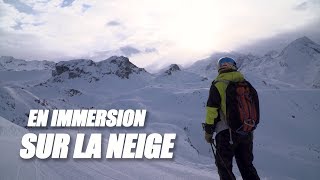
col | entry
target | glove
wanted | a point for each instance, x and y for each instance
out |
(208, 137)
(209, 128)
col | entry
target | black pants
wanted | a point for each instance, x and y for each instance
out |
(241, 149)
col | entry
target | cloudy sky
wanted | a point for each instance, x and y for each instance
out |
(149, 31)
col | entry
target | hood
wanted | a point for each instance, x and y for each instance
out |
(234, 76)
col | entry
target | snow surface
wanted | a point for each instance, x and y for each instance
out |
(286, 144)
(13, 167)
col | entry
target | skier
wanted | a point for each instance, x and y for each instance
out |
(229, 143)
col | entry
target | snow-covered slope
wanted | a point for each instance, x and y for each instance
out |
(174, 75)
(286, 137)
(13, 167)
(16, 102)
(26, 78)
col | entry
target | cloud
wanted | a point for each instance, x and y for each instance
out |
(129, 51)
(21, 7)
(85, 7)
(147, 31)
(302, 6)
(279, 41)
(66, 3)
(18, 26)
(312, 5)
(150, 50)
(113, 23)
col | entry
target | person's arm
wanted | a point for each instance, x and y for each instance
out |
(213, 105)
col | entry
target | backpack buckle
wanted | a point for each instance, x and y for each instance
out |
(250, 122)
(248, 126)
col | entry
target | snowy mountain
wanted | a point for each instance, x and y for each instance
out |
(172, 68)
(296, 66)
(9, 63)
(175, 76)
(301, 62)
(175, 98)
(92, 71)
(70, 80)
(208, 67)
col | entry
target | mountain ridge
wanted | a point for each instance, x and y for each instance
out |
(298, 62)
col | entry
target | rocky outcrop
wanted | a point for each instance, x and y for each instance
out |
(172, 68)
(94, 71)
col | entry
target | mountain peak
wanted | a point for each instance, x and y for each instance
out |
(172, 68)
(120, 66)
(117, 58)
(302, 41)
(301, 45)
(94, 71)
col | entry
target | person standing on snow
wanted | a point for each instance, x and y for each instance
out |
(231, 141)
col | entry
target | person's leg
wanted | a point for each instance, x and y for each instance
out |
(224, 155)
(244, 158)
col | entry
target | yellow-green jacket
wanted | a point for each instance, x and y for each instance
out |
(216, 104)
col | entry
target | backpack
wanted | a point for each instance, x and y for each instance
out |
(242, 107)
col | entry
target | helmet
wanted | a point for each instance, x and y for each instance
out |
(226, 63)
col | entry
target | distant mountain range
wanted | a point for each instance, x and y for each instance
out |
(9, 63)
(297, 65)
